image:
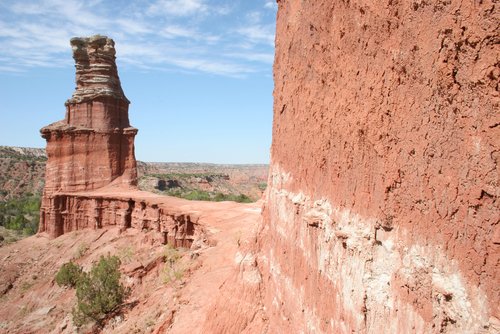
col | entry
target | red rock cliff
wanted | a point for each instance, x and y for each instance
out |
(382, 211)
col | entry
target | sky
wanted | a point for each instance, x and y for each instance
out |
(198, 73)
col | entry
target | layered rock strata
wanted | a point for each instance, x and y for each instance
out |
(94, 144)
(71, 212)
(92, 149)
(382, 202)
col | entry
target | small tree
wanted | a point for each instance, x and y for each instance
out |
(68, 275)
(99, 291)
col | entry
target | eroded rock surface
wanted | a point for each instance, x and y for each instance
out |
(96, 72)
(128, 209)
(91, 173)
(381, 213)
(94, 144)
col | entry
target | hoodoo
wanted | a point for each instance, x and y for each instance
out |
(94, 145)
(91, 175)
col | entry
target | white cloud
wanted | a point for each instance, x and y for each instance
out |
(271, 4)
(142, 52)
(12, 69)
(214, 67)
(28, 8)
(133, 26)
(254, 17)
(177, 7)
(37, 34)
(223, 10)
(174, 31)
(255, 31)
(267, 58)
(180, 32)
(258, 34)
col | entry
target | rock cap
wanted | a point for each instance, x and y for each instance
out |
(96, 71)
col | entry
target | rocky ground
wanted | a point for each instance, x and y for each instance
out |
(31, 301)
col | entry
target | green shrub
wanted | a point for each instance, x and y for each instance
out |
(21, 214)
(68, 275)
(241, 198)
(197, 195)
(200, 195)
(99, 291)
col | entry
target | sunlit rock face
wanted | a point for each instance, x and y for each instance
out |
(381, 211)
(94, 145)
(98, 101)
(91, 174)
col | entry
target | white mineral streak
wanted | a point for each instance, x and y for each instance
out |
(362, 261)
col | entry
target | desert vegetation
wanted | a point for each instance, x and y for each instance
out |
(201, 195)
(173, 269)
(21, 183)
(21, 214)
(216, 187)
(68, 275)
(98, 292)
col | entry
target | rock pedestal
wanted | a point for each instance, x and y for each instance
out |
(94, 145)
(91, 176)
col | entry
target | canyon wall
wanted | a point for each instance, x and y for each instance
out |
(381, 213)
(71, 212)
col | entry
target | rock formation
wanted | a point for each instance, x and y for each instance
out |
(91, 173)
(382, 210)
(94, 145)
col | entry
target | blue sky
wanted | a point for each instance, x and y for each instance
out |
(198, 73)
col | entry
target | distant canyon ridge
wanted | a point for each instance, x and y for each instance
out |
(22, 171)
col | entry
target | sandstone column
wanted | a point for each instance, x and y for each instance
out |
(94, 145)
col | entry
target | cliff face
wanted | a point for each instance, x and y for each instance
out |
(381, 213)
(69, 212)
